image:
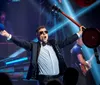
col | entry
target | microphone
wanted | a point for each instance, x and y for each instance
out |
(2, 27)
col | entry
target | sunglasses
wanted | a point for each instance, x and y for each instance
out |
(42, 32)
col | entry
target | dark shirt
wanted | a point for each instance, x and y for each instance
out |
(83, 80)
(77, 49)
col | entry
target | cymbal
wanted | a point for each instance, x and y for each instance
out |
(84, 3)
(91, 37)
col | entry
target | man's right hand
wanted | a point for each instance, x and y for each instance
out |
(4, 33)
(81, 30)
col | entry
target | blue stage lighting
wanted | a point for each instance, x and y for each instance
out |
(13, 0)
(58, 26)
(16, 61)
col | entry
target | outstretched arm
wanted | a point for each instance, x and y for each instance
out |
(71, 39)
(22, 43)
(5, 33)
(81, 59)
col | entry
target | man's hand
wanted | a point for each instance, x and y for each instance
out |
(81, 30)
(88, 64)
(4, 33)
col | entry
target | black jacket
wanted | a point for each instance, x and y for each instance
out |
(34, 47)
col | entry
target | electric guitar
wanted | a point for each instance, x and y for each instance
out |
(86, 68)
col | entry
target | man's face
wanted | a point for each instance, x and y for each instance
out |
(43, 35)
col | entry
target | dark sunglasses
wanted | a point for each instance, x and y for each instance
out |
(41, 32)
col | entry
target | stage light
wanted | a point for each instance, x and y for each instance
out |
(13, 0)
(16, 61)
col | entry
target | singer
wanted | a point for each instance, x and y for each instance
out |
(46, 62)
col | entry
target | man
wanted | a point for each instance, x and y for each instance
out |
(78, 62)
(46, 62)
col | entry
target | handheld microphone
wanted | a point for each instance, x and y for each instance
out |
(2, 27)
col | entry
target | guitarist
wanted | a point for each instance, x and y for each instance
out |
(78, 62)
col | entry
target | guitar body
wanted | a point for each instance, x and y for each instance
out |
(84, 69)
